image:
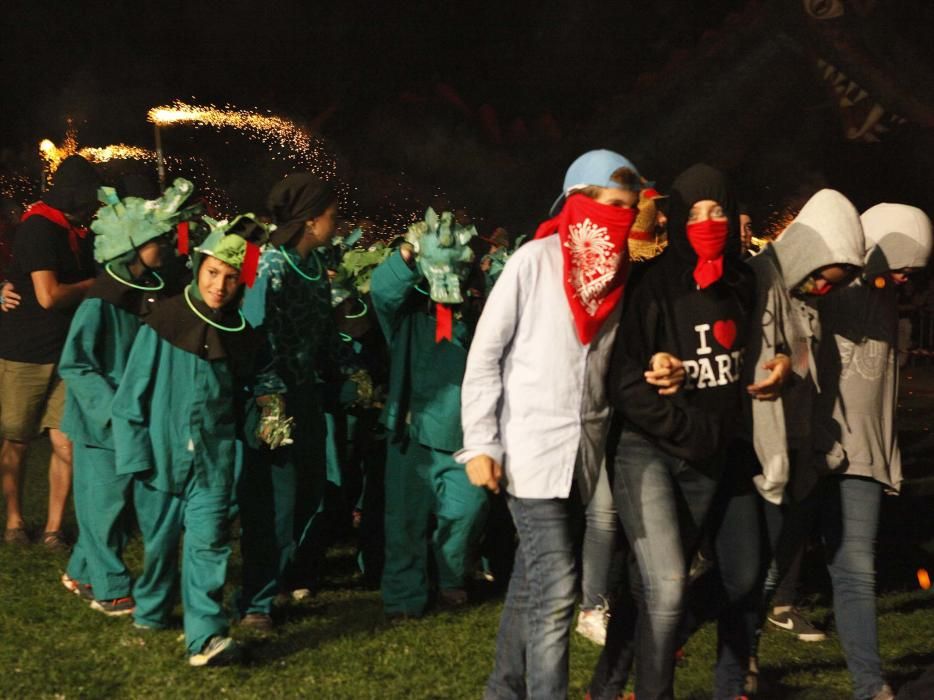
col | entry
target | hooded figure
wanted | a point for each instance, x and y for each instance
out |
(133, 236)
(693, 302)
(858, 365)
(826, 233)
(176, 416)
(856, 409)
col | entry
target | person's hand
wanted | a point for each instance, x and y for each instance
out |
(274, 428)
(667, 373)
(770, 388)
(485, 472)
(9, 299)
(407, 251)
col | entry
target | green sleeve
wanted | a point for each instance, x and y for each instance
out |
(391, 285)
(82, 368)
(132, 405)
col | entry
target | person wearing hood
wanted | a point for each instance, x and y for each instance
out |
(282, 488)
(693, 301)
(859, 391)
(52, 270)
(428, 321)
(821, 250)
(176, 415)
(133, 238)
(535, 410)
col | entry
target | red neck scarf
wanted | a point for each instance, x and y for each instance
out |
(57, 217)
(708, 239)
(593, 245)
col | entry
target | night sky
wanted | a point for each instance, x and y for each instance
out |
(397, 90)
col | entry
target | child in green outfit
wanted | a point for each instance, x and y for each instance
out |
(175, 420)
(133, 239)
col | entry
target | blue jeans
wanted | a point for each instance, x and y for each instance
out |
(847, 512)
(731, 593)
(662, 502)
(601, 535)
(532, 643)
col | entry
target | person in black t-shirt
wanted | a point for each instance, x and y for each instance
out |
(52, 269)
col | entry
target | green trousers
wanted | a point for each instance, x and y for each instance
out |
(421, 483)
(280, 494)
(203, 515)
(101, 497)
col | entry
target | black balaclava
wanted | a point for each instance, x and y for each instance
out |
(697, 183)
(74, 186)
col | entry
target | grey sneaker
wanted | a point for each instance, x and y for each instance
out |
(116, 607)
(885, 693)
(217, 651)
(592, 624)
(794, 622)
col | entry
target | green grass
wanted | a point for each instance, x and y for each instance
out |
(338, 646)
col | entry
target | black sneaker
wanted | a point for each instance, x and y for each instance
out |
(259, 622)
(794, 622)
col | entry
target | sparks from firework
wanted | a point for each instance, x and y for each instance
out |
(290, 139)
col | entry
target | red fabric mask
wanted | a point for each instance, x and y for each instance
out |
(708, 239)
(593, 246)
(57, 217)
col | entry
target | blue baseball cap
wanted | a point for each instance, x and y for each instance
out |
(593, 168)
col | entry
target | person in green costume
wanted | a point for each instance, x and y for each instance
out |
(428, 332)
(175, 420)
(133, 237)
(282, 489)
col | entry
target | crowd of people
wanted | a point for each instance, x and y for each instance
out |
(644, 394)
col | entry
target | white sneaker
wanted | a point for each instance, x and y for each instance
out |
(592, 624)
(217, 651)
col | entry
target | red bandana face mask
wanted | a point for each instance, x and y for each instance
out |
(593, 245)
(708, 239)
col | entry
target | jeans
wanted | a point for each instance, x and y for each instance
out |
(662, 502)
(600, 541)
(730, 593)
(532, 643)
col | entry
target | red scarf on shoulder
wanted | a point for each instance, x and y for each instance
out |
(593, 246)
(57, 217)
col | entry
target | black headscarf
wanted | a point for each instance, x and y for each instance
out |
(74, 186)
(293, 201)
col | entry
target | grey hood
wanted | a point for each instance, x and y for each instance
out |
(897, 236)
(827, 231)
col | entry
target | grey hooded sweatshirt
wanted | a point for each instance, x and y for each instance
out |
(857, 363)
(827, 231)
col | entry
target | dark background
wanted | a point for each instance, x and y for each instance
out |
(483, 103)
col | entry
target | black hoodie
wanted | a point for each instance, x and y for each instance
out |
(665, 311)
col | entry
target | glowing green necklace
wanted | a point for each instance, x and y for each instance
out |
(136, 286)
(295, 267)
(204, 318)
(362, 313)
(419, 289)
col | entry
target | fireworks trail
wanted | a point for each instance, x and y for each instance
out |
(281, 135)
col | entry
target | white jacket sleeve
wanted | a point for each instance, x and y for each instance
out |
(482, 390)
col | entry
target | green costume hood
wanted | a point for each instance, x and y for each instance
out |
(124, 225)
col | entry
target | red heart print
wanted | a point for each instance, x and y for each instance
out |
(725, 332)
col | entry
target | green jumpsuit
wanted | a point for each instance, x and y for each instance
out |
(422, 415)
(281, 492)
(92, 364)
(174, 428)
